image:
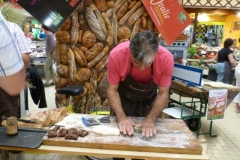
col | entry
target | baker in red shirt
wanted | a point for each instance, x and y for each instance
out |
(136, 69)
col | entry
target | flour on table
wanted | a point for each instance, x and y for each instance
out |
(105, 130)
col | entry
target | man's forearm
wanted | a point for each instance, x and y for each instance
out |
(160, 103)
(26, 60)
(115, 103)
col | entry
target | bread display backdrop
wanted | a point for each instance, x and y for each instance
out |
(84, 42)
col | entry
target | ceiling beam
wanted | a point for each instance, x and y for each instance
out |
(211, 11)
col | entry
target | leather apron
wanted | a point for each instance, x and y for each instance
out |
(137, 98)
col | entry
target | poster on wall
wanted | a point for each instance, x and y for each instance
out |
(169, 17)
(51, 13)
(217, 104)
(236, 26)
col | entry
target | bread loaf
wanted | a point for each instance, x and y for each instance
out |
(88, 39)
(93, 83)
(110, 29)
(79, 56)
(101, 5)
(80, 34)
(122, 10)
(87, 2)
(136, 27)
(115, 27)
(150, 24)
(132, 19)
(61, 82)
(63, 71)
(144, 22)
(94, 24)
(101, 21)
(123, 33)
(74, 28)
(61, 100)
(87, 85)
(102, 63)
(82, 22)
(66, 25)
(62, 36)
(57, 52)
(72, 66)
(84, 49)
(98, 57)
(99, 77)
(63, 54)
(110, 4)
(129, 13)
(131, 4)
(94, 51)
(83, 74)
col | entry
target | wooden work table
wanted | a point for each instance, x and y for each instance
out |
(173, 141)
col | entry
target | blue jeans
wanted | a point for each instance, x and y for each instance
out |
(220, 71)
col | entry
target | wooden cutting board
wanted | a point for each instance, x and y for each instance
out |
(173, 136)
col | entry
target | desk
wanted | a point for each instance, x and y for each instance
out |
(200, 96)
(172, 141)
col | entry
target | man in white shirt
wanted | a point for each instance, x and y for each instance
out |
(13, 64)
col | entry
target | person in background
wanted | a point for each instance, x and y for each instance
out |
(13, 64)
(48, 67)
(225, 61)
(237, 76)
(42, 34)
(136, 69)
(27, 32)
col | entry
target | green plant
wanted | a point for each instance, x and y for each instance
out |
(12, 14)
(192, 51)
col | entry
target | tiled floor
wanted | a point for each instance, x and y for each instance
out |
(226, 146)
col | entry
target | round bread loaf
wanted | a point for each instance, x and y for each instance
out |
(63, 54)
(66, 25)
(83, 74)
(124, 32)
(63, 36)
(61, 82)
(88, 39)
(63, 71)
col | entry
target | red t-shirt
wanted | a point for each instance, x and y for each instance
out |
(119, 65)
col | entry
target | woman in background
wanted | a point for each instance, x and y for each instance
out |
(27, 32)
(225, 61)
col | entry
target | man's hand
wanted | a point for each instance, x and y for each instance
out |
(125, 126)
(148, 128)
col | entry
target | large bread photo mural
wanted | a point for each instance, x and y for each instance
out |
(84, 42)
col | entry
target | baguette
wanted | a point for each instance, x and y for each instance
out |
(129, 13)
(115, 27)
(94, 51)
(144, 22)
(74, 28)
(99, 77)
(98, 57)
(102, 63)
(101, 21)
(72, 66)
(110, 29)
(136, 15)
(122, 10)
(101, 5)
(136, 27)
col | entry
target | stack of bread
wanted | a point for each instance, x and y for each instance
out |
(84, 42)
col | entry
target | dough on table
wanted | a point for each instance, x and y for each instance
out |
(105, 130)
(71, 121)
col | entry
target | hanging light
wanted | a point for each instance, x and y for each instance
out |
(238, 14)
